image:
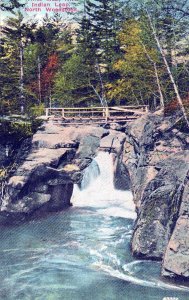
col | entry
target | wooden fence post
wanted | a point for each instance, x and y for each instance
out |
(47, 112)
(107, 114)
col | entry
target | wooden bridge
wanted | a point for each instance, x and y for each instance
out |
(95, 115)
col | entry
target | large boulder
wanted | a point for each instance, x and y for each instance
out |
(176, 261)
(156, 155)
(48, 166)
(46, 172)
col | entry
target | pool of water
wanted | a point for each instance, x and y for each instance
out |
(82, 253)
(77, 254)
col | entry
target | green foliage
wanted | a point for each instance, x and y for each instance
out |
(16, 35)
(31, 53)
(37, 44)
(71, 82)
(37, 110)
(110, 57)
(137, 81)
(98, 44)
(17, 129)
(97, 35)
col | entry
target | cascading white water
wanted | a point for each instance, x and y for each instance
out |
(99, 192)
(90, 174)
(82, 252)
(108, 228)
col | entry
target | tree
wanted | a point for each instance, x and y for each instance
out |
(16, 34)
(98, 29)
(72, 84)
(9, 91)
(49, 33)
(139, 79)
(171, 25)
(10, 5)
(97, 42)
(168, 23)
(50, 40)
(48, 74)
(179, 99)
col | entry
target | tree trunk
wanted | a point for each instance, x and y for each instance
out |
(97, 94)
(39, 79)
(157, 77)
(159, 86)
(102, 86)
(169, 71)
(21, 78)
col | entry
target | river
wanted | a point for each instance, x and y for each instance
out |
(82, 253)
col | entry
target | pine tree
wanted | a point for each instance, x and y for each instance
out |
(97, 42)
(98, 29)
(10, 5)
(16, 34)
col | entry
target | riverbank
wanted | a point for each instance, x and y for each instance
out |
(151, 157)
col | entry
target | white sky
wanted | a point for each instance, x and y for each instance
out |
(40, 7)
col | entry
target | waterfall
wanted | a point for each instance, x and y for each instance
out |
(97, 190)
(90, 174)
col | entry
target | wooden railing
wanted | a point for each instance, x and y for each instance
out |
(96, 114)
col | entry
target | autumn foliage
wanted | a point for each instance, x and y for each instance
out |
(47, 77)
(48, 73)
(173, 106)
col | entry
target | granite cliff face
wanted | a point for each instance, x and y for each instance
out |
(47, 169)
(47, 166)
(151, 157)
(157, 157)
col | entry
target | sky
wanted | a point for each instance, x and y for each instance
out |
(37, 9)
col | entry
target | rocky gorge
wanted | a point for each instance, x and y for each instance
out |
(151, 157)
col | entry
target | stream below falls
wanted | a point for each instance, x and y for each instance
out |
(82, 253)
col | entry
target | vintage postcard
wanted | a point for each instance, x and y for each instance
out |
(94, 150)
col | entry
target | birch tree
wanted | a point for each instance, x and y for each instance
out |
(138, 68)
(175, 87)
